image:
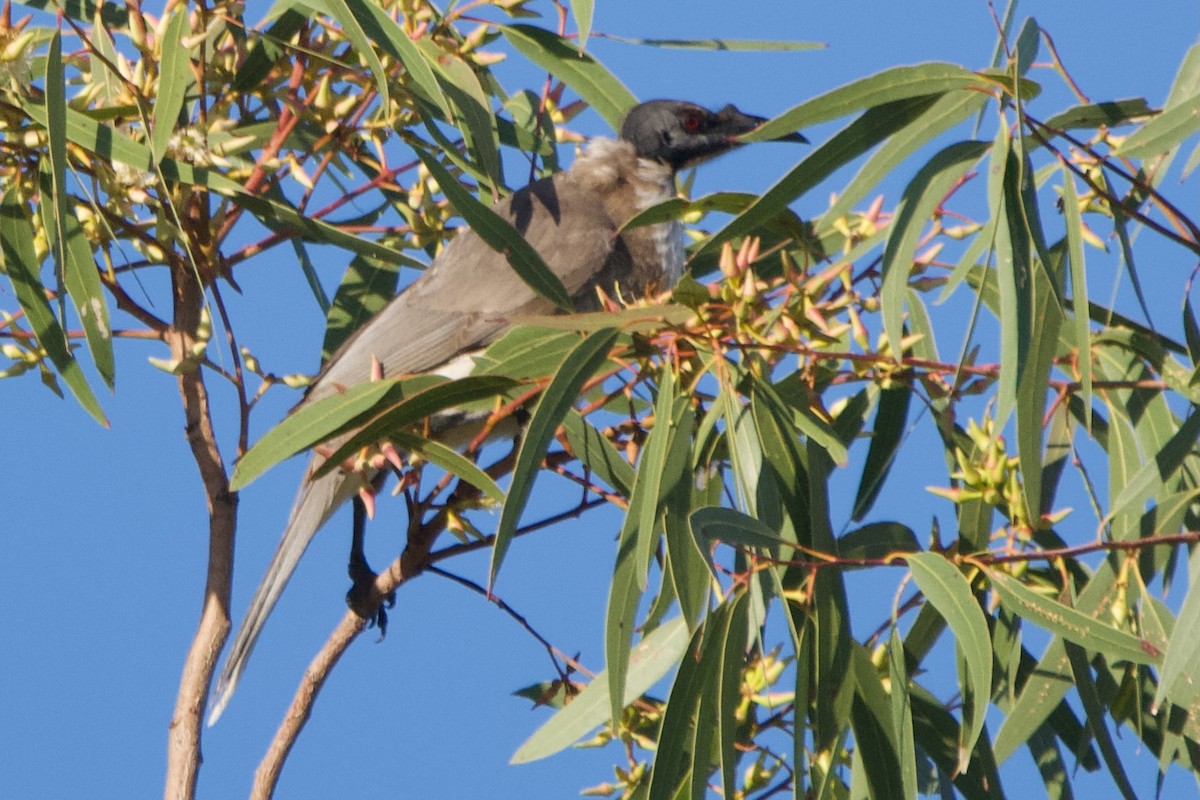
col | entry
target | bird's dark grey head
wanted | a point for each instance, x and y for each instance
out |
(682, 134)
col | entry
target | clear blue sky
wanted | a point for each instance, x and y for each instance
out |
(103, 548)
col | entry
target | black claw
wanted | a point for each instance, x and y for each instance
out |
(363, 598)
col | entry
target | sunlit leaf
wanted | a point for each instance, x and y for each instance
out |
(577, 369)
(948, 590)
(21, 264)
(174, 79)
(1164, 131)
(923, 194)
(500, 235)
(649, 661)
(582, 72)
(1071, 624)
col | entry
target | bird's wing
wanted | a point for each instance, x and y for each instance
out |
(460, 304)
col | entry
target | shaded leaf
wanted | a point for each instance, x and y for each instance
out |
(394, 411)
(891, 418)
(500, 235)
(874, 735)
(368, 285)
(878, 540)
(1096, 714)
(1094, 115)
(725, 525)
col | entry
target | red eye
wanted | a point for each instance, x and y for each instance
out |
(693, 121)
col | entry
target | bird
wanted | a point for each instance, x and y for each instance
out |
(466, 298)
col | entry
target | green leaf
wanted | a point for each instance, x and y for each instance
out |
(728, 675)
(528, 352)
(874, 126)
(389, 36)
(270, 47)
(663, 463)
(714, 525)
(368, 285)
(662, 466)
(472, 114)
(1014, 269)
(1096, 714)
(948, 590)
(68, 244)
(878, 540)
(396, 411)
(597, 453)
(1154, 474)
(1079, 291)
(874, 735)
(81, 279)
(174, 78)
(921, 197)
(675, 208)
(753, 45)
(582, 10)
(582, 72)
(1046, 318)
(624, 594)
(310, 425)
(350, 15)
(283, 218)
(898, 83)
(1072, 625)
(649, 661)
(500, 235)
(1183, 652)
(1163, 132)
(1094, 115)
(890, 422)
(449, 460)
(676, 736)
(21, 264)
(946, 112)
(577, 369)
(901, 707)
(111, 144)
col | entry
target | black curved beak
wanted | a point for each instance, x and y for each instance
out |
(761, 129)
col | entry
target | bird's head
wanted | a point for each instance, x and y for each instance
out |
(683, 134)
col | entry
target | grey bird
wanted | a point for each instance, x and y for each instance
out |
(465, 299)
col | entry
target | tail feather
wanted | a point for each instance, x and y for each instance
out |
(315, 503)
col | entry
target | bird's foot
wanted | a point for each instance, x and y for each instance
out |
(365, 600)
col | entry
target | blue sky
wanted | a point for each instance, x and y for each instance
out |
(105, 537)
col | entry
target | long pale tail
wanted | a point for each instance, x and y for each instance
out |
(315, 503)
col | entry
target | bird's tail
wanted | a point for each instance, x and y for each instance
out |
(315, 503)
